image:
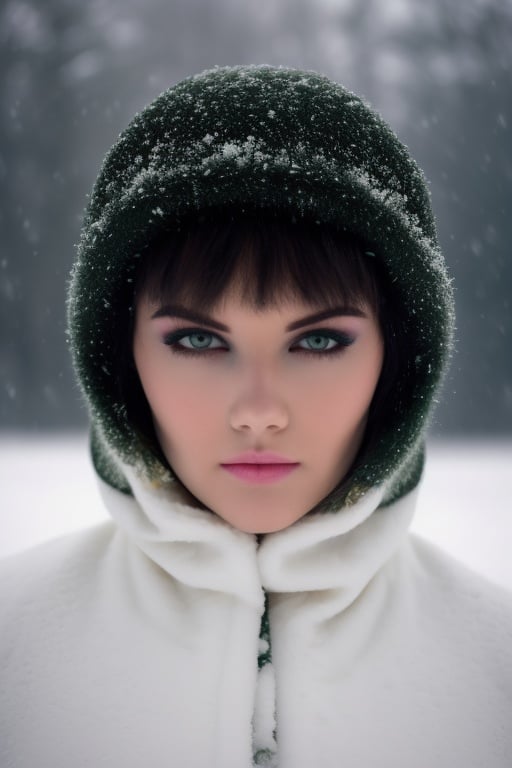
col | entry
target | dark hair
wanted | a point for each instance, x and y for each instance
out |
(269, 258)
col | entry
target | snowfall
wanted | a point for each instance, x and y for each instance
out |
(465, 504)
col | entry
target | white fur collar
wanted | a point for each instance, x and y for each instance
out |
(341, 550)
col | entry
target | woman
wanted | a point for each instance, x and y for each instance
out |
(260, 318)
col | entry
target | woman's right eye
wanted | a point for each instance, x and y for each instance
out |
(192, 342)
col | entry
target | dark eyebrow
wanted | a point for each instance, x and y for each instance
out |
(174, 310)
(324, 314)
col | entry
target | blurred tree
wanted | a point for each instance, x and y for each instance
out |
(458, 85)
(42, 181)
(73, 75)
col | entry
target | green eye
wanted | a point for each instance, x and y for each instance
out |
(198, 340)
(318, 342)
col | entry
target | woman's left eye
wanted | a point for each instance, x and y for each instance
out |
(319, 342)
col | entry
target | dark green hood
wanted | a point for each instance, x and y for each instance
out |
(259, 137)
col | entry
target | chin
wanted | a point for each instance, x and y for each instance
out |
(255, 526)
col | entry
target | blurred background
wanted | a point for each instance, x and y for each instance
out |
(73, 74)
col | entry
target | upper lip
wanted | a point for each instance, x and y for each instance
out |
(259, 457)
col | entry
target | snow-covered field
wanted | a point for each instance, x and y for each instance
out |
(49, 488)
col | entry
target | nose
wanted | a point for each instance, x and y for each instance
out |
(258, 408)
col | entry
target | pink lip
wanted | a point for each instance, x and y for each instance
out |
(256, 472)
(258, 457)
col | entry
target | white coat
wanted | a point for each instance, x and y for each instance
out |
(135, 643)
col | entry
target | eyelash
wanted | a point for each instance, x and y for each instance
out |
(171, 340)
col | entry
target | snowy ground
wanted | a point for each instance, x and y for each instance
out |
(49, 488)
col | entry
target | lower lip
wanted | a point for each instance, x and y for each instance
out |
(260, 473)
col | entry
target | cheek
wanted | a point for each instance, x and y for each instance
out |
(344, 394)
(339, 407)
(183, 406)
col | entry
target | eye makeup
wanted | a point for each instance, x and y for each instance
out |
(341, 342)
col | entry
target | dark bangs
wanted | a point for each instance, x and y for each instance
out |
(265, 259)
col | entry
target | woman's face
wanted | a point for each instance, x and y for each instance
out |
(271, 381)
